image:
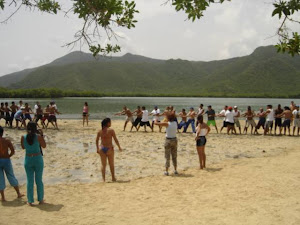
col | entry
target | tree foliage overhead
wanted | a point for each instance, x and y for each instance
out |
(106, 14)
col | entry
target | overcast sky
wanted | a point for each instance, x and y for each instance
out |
(227, 30)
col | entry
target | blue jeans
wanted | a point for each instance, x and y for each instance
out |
(6, 166)
(181, 124)
(192, 122)
(34, 167)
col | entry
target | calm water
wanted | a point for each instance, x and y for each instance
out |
(71, 108)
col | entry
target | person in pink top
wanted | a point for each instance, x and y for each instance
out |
(85, 114)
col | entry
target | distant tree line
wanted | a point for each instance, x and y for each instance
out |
(58, 93)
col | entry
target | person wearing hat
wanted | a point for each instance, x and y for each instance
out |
(222, 114)
(211, 114)
(296, 116)
(192, 114)
(237, 114)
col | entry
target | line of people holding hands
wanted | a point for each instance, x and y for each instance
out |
(23, 112)
(231, 115)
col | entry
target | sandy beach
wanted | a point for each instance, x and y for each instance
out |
(249, 180)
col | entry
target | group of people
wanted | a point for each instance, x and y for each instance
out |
(23, 112)
(32, 142)
(267, 119)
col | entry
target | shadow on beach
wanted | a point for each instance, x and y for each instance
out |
(15, 203)
(213, 169)
(182, 175)
(48, 207)
(119, 181)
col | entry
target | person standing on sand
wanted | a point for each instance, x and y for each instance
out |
(183, 116)
(6, 166)
(296, 116)
(145, 119)
(237, 114)
(139, 114)
(249, 119)
(222, 114)
(28, 111)
(7, 114)
(211, 114)
(202, 131)
(192, 115)
(2, 111)
(288, 116)
(156, 113)
(14, 109)
(270, 118)
(106, 149)
(229, 119)
(85, 114)
(39, 116)
(261, 120)
(19, 117)
(170, 142)
(52, 115)
(129, 116)
(278, 119)
(34, 163)
(292, 106)
(201, 110)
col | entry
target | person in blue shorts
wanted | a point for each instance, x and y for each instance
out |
(6, 152)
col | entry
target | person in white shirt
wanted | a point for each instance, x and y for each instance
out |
(156, 116)
(171, 142)
(222, 114)
(201, 111)
(237, 114)
(36, 106)
(229, 119)
(269, 120)
(296, 116)
(145, 119)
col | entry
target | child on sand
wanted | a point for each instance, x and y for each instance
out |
(6, 166)
(106, 149)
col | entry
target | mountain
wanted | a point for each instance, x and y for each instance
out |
(264, 72)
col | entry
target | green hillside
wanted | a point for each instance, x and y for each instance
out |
(263, 73)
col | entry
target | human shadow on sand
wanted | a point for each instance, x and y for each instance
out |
(213, 169)
(18, 202)
(182, 175)
(119, 181)
(48, 207)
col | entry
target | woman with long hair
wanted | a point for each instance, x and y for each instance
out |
(106, 149)
(85, 114)
(34, 163)
(201, 132)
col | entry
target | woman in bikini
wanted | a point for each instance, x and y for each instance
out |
(106, 149)
(85, 114)
(201, 131)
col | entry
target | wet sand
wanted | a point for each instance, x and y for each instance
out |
(250, 180)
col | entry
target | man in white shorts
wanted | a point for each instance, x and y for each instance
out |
(129, 116)
(237, 114)
(156, 117)
(296, 116)
(270, 118)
